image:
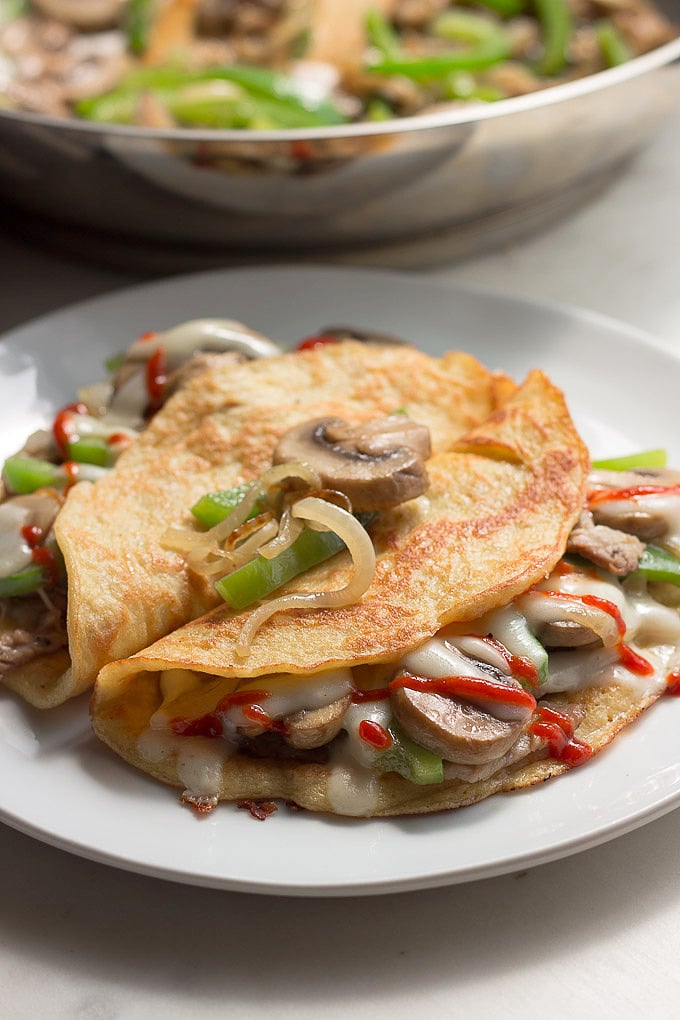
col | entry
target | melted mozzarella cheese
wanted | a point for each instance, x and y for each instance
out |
(286, 693)
(15, 553)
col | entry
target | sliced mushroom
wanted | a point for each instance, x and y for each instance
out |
(378, 464)
(625, 514)
(456, 730)
(566, 634)
(88, 15)
(314, 727)
(645, 525)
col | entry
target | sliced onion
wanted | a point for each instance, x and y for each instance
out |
(360, 548)
(201, 545)
(182, 341)
(272, 477)
(242, 546)
(129, 401)
(88, 425)
(289, 529)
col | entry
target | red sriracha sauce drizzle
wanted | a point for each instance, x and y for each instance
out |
(156, 376)
(119, 441)
(629, 658)
(40, 555)
(32, 535)
(518, 665)
(468, 688)
(374, 734)
(45, 558)
(211, 724)
(465, 687)
(673, 684)
(312, 343)
(557, 730)
(63, 427)
(633, 492)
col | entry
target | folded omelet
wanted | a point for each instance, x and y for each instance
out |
(125, 588)
(478, 659)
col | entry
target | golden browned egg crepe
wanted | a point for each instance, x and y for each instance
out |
(125, 589)
(478, 658)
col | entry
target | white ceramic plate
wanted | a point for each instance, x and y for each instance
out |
(60, 786)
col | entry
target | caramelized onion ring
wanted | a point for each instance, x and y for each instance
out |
(360, 547)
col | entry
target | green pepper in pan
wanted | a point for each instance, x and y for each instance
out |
(488, 45)
(557, 26)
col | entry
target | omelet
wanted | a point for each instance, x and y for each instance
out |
(495, 647)
(125, 588)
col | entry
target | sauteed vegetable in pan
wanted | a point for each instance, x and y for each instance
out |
(272, 64)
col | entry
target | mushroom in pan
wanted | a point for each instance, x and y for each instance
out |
(88, 15)
(377, 464)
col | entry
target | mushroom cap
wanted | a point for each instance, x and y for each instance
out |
(378, 464)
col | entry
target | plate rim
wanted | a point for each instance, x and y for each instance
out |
(388, 278)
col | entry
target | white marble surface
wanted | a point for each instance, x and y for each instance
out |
(595, 935)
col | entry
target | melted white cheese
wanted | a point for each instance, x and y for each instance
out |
(352, 790)
(199, 765)
(199, 760)
(15, 553)
(288, 693)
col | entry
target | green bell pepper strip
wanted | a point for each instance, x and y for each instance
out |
(138, 19)
(557, 25)
(614, 47)
(463, 85)
(267, 95)
(260, 577)
(659, 565)
(382, 35)
(91, 450)
(488, 46)
(378, 110)
(505, 8)
(11, 9)
(520, 640)
(115, 362)
(189, 106)
(631, 461)
(24, 582)
(216, 506)
(26, 474)
(409, 759)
